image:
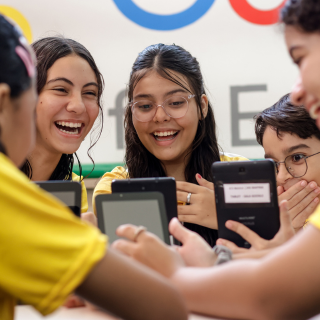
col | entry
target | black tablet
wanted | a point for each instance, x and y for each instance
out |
(69, 192)
(165, 185)
(246, 191)
(139, 208)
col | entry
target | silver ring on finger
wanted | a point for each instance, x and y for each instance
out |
(138, 231)
(189, 197)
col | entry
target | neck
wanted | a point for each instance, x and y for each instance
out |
(43, 163)
(175, 169)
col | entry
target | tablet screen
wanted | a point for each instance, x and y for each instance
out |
(67, 197)
(137, 212)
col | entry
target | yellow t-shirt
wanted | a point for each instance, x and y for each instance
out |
(315, 218)
(104, 185)
(45, 250)
(84, 198)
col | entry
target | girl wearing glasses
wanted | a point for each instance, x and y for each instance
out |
(46, 252)
(70, 86)
(286, 283)
(170, 130)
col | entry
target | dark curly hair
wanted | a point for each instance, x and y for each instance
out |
(48, 51)
(284, 117)
(304, 14)
(205, 149)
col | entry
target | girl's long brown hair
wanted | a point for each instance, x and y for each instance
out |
(205, 149)
(48, 51)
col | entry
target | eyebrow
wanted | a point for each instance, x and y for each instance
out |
(61, 79)
(71, 83)
(166, 94)
(91, 84)
(289, 150)
(299, 146)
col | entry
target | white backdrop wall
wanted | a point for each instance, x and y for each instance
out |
(235, 55)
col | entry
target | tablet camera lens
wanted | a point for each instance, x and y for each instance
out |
(242, 169)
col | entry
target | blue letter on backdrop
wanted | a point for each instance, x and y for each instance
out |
(163, 22)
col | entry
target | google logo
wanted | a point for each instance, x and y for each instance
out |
(192, 14)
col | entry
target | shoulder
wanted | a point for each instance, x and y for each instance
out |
(9, 174)
(116, 173)
(104, 185)
(225, 156)
(75, 177)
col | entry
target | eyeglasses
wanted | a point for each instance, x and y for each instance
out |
(296, 164)
(175, 107)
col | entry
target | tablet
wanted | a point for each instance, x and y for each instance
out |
(139, 208)
(246, 191)
(165, 185)
(68, 192)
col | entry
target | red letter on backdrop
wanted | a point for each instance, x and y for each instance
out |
(263, 17)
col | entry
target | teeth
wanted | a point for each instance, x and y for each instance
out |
(69, 124)
(69, 132)
(164, 133)
(313, 111)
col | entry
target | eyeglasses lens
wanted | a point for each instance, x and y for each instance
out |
(175, 107)
(296, 165)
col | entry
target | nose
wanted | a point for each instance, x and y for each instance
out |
(298, 94)
(283, 174)
(76, 104)
(160, 115)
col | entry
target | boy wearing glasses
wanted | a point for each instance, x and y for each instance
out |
(291, 138)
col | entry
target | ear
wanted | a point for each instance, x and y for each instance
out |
(4, 96)
(204, 105)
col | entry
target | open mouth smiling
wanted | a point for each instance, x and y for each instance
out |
(69, 127)
(165, 135)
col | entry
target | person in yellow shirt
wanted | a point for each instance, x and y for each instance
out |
(70, 86)
(285, 284)
(170, 130)
(47, 252)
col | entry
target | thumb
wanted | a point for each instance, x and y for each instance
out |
(285, 220)
(203, 182)
(179, 231)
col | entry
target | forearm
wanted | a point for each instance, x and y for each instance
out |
(283, 285)
(219, 291)
(131, 291)
(252, 254)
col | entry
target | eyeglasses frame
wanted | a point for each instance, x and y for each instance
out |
(131, 105)
(277, 163)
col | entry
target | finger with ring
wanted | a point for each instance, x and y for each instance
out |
(138, 231)
(188, 197)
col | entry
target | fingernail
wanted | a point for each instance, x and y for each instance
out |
(303, 183)
(312, 185)
(219, 241)
(316, 200)
(317, 191)
(198, 175)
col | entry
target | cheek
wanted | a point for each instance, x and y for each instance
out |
(310, 77)
(93, 112)
(313, 173)
(141, 129)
